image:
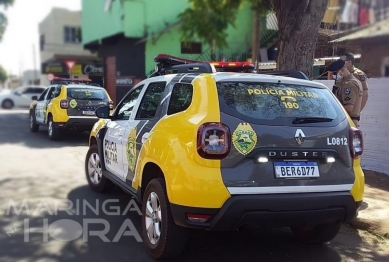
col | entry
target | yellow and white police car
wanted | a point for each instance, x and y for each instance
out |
(67, 107)
(221, 151)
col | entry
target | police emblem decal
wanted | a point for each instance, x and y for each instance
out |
(73, 103)
(131, 150)
(347, 91)
(244, 138)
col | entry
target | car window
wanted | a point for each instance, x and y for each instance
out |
(276, 103)
(37, 90)
(50, 95)
(87, 93)
(28, 90)
(43, 95)
(151, 100)
(181, 98)
(124, 110)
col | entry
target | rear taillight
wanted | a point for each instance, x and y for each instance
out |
(356, 142)
(213, 141)
(64, 104)
(111, 105)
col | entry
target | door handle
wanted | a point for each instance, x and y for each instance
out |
(145, 137)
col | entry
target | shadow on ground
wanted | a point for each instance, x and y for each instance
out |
(252, 245)
(14, 126)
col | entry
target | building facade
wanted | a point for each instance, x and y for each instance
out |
(127, 35)
(61, 45)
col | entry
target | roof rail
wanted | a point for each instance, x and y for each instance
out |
(287, 73)
(168, 64)
(67, 81)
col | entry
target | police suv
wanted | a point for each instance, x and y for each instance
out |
(226, 150)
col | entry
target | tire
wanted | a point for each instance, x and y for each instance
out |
(7, 104)
(96, 180)
(34, 127)
(172, 239)
(318, 234)
(52, 131)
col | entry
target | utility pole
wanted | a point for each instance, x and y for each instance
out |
(34, 61)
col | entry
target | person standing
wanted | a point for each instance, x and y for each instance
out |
(359, 74)
(348, 90)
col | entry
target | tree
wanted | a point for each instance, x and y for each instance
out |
(3, 75)
(3, 18)
(298, 24)
(208, 20)
(259, 7)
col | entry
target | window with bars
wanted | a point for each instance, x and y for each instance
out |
(72, 35)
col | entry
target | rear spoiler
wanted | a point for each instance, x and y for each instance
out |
(167, 64)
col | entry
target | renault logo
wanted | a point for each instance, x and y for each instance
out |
(299, 136)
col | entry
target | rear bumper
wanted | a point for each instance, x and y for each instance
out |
(272, 211)
(78, 123)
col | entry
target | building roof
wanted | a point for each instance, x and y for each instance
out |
(371, 31)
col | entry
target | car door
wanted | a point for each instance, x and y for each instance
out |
(42, 103)
(39, 106)
(25, 98)
(147, 115)
(114, 139)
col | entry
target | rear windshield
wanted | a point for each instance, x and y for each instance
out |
(276, 104)
(87, 93)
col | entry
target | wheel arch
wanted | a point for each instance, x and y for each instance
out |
(150, 171)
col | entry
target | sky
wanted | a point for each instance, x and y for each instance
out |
(21, 35)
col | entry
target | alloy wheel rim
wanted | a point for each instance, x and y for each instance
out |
(153, 218)
(94, 168)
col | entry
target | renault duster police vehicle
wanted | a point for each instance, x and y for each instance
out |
(225, 150)
(67, 105)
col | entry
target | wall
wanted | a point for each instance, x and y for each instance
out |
(375, 125)
(239, 39)
(98, 23)
(373, 57)
(52, 27)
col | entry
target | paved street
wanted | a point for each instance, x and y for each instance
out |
(38, 171)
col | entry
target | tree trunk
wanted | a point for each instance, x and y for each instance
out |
(298, 23)
(255, 37)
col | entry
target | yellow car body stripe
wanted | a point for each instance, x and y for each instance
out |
(190, 179)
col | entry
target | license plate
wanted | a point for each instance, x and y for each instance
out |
(90, 113)
(296, 169)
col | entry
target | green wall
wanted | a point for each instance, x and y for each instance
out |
(98, 24)
(239, 39)
(146, 18)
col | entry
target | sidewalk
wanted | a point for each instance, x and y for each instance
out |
(374, 214)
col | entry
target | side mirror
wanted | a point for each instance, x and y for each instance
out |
(34, 98)
(17, 93)
(103, 112)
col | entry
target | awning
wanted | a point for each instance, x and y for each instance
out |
(374, 30)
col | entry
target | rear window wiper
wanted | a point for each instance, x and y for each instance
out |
(303, 120)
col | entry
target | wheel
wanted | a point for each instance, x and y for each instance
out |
(318, 234)
(7, 104)
(93, 171)
(34, 127)
(162, 237)
(52, 130)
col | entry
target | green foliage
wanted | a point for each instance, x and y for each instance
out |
(3, 18)
(3, 75)
(208, 20)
